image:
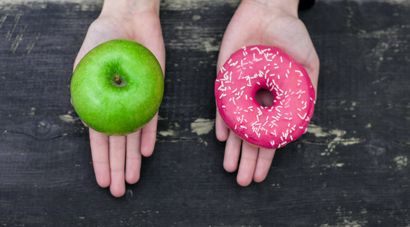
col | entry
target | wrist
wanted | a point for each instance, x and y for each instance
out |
(284, 6)
(128, 8)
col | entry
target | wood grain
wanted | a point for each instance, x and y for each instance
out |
(351, 169)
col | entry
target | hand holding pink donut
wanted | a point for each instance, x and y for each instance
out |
(265, 23)
(258, 68)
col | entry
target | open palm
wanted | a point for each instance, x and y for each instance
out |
(255, 23)
(117, 159)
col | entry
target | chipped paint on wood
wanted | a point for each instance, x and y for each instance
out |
(67, 118)
(168, 132)
(202, 126)
(338, 138)
(401, 162)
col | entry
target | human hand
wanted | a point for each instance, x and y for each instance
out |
(264, 22)
(117, 159)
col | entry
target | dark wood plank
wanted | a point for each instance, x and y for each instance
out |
(351, 169)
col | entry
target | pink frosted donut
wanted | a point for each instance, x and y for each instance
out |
(262, 67)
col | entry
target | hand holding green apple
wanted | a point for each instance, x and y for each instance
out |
(117, 158)
(117, 87)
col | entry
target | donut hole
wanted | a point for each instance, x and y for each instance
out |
(264, 97)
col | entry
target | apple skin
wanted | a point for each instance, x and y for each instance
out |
(117, 87)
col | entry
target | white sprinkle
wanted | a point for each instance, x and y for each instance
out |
(233, 64)
(299, 72)
(304, 106)
(274, 56)
(303, 116)
(256, 48)
(255, 59)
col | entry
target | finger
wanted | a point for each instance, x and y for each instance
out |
(117, 162)
(99, 153)
(220, 128)
(263, 164)
(148, 137)
(232, 152)
(247, 165)
(133, 161)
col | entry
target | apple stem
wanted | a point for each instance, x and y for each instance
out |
(117, 80)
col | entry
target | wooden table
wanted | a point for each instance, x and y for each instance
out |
(351, 169)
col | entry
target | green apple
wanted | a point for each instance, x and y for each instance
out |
(117, 87)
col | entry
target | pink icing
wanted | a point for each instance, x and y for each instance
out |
(262, 67)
